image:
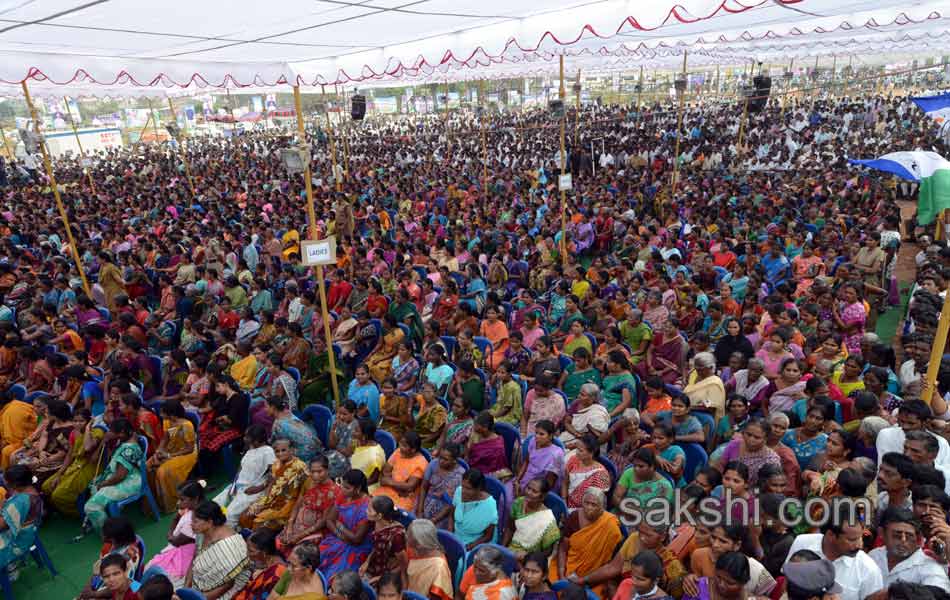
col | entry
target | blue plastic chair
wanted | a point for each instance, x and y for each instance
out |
(143, 551)
(368, 592)
(156, 362)
(483, 344)
(696, 459)
(104, 312)
(189, 594)
(387, 441)
(561, 585)
(497, 490)
(593, 341)
(512, 438)
(30, 398)
(321, 418)
(295, 373)
(450, 343)
(323, 579)
(557, 505)
(406, 332)
(426, 454)
(565, 361)
(18, 391)
(611, 468)
(511, 563)
(407, 595)
(42, 560)
(405, 517)
(115, 508)
(709, 425)
(454, 554)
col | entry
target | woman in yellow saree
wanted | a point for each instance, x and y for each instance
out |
(380, 360)
(175, 457)
(291, 242)
(588, 539)
(72, 479)
(287, 478)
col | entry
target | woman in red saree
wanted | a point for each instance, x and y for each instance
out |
(666, 355)
(308, 520)
(268, 565)
(143, 420)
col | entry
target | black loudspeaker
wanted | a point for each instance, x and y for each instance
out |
(358, 110)
(762, 86)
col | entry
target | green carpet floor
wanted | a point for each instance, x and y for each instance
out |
(74, 559)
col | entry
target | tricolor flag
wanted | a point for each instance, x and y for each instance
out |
(936, 107)
(929, 169)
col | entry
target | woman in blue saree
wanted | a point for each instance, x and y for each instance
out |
(122, 477)
(288, 426)
(475, 291)
(20, 515)
(349, 543)
(475, 520)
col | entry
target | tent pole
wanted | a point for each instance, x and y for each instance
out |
(181, 152)
(82, 153)
(6, 143)
(679, 131)
(336, 180)
(481, 125)
(936, 352)
(640, 88)
(154, 119)
(312, 216)
(562, 94)
(59, 201)
(148, 119)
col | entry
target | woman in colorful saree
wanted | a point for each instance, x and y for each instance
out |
(442, 477)
(380, 360)
(267, 565)
(348, 543)
(300, 581)
(427, 571)
(402, 475)
(388, 539)
(289, 426)
(475, 518)
(220, 568)
(175, 457)
(368, 456)
(308, 521)
(532, 526)
(491, 581)
(641, 482)
(588, 539)
(20, 513)
(122, 476)
(486, 451)
(459, 427)
(543, 459)
(65, 486)
(583, 472)
(288, 475)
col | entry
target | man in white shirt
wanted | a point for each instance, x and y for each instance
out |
(922, 448)
(901, 558)
(912, 416)
(841, 542)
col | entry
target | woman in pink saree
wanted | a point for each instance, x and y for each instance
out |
(851, 318)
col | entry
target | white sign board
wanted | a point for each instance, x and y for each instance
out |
(564, 183)
(319, 252)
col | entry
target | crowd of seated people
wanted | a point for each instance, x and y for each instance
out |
(502, 404)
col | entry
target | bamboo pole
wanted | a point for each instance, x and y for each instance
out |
(563, 169)
(148, 119)
(577, 106)
(154, 119)
(481, 123)
(679, 131)
(82, 153)
(937, 350)
(181, 152)
(6, 143)
(312, 215)
(59, 201)
(336, 180)
(640, 88)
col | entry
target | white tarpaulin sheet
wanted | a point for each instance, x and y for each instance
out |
(237, 43)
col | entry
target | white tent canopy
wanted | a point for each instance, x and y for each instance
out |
(238, 43)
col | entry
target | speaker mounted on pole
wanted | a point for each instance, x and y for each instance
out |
(358, 108)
